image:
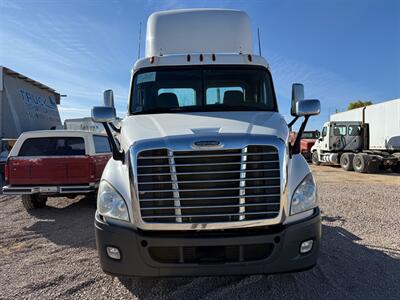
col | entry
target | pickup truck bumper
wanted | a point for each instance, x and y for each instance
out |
(256, 251)
(49, 190)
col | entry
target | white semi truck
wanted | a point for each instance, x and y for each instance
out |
(365, 139)
(203, 179)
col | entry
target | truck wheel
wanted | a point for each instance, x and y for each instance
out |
(33, 201)
(383, 167)
(314, 158)
(346, 161)
(360, 163)
(396, 168)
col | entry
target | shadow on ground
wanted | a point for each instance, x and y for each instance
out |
(345, 269)
(71, 225)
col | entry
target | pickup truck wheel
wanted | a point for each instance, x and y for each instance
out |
(92, 197)
(360, 163)
(346, 161)
(314, 158)
(33, 201)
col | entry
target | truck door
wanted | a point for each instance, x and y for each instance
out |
(355, 140)
(338, 140)
(323, 141)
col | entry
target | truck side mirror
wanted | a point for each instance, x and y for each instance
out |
(297, 95)
(301, 108)
(108, 96)
(103, 114)
(308, 108)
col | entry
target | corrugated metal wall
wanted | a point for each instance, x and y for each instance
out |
(25, 107)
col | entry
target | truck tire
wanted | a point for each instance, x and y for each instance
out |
(33, 201)
(360, 162)
(396, 168)
(92, 197)
(346, 161)
(314, 158)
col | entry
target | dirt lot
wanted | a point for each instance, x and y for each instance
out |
(50, 253)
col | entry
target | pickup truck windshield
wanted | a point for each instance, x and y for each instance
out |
(202, 89)
(310, 135)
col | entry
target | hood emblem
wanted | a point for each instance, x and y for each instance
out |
(207, 145)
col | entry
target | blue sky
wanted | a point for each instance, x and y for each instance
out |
(341, 50)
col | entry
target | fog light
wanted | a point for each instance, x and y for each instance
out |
(113, 253)
(306, 246)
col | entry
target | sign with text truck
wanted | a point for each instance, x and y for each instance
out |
(203, 179)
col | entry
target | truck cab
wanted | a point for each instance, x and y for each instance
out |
(347, 143)
(339, 136)
(203, 179)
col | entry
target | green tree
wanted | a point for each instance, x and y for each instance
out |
(357, 104)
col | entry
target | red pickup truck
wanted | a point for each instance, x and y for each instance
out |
(307, 140)
(55, 162)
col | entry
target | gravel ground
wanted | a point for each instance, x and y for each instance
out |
(50, 253)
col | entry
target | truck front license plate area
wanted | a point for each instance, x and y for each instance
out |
(211, 254)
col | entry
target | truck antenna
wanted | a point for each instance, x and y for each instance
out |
(259, 42)
(140, 38)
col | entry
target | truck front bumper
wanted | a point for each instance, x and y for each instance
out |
(49, 190)
(258, 251)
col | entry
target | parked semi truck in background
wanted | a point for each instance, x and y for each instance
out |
(25, 105)
(199, 186)
(364, 139)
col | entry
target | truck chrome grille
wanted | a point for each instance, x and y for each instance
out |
(209, 186)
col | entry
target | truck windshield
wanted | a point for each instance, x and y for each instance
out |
(202, 89)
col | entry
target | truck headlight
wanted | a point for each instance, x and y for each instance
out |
(110, 203)
(305, 196)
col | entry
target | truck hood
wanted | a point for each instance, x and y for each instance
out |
(160, 126)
